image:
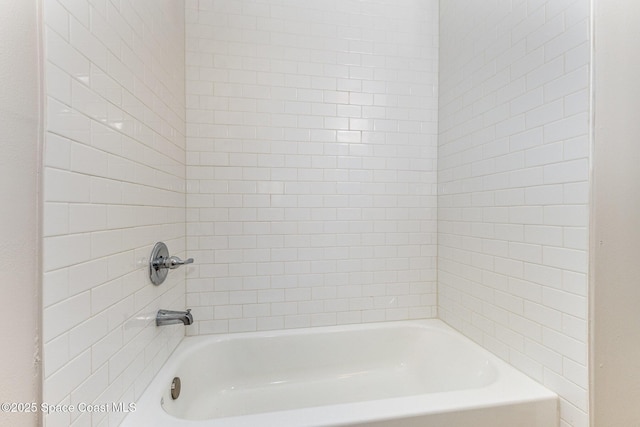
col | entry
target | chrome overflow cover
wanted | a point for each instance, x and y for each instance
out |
(175, 388)
(160, 263)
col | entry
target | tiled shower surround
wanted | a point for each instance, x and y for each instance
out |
(311, 162)
(113, 185)
(513, 168)
(333, 161)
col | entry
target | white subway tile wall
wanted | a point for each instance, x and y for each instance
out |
(311, 153)
(307, 152)
(114, 184)
(513, 188)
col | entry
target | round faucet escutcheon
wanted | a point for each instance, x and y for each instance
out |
(160, 263)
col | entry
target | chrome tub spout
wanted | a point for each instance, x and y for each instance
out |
(171, 317)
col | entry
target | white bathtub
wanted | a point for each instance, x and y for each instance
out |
(395, 374)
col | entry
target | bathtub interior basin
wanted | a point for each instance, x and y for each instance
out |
(253, 373)
(394, 373)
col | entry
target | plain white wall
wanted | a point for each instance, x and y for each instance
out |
(20, 133)
(615, 245)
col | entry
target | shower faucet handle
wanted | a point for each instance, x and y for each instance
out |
(174, 262)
